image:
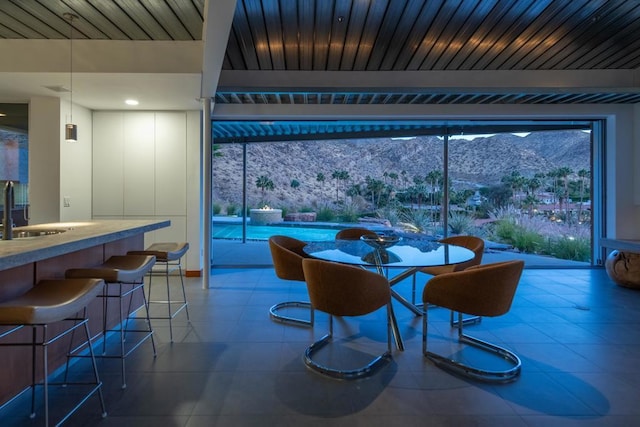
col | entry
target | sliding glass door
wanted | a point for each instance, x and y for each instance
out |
(527, 193)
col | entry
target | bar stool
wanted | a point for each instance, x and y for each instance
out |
(48, 302)
(124, 275)
(168, 258)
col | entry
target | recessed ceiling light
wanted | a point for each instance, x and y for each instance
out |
(131, 102)
(3, 115)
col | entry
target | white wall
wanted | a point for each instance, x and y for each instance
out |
(44, 159)
(58, 169)
(143, 168)
(75, 167)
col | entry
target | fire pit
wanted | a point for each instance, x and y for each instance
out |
(265, 215)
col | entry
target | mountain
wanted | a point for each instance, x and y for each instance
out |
(481, 161)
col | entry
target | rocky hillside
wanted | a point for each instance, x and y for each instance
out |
(479, 162)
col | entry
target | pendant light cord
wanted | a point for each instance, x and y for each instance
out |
(70, 17)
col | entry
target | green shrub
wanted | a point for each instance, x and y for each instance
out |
(349, 214)
(416, 221)
(325, 214)
(460, 223)
(504, 231)
(232, 209)
(571, 248)
(217, 208)
(527, 241)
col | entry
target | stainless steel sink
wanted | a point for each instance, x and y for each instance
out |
(21, 234)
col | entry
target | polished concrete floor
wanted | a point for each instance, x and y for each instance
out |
(577, 333)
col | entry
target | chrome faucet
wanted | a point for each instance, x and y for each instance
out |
(7, 220)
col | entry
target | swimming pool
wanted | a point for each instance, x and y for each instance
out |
(263, 232)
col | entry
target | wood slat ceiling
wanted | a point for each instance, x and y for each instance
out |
(102, 19)
(370, 35)
(467, 98)
(387, 35)
(364, 35)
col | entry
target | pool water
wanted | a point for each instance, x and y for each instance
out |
(263, 232)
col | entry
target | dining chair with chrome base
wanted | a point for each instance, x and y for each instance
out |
(473, 243)
(344, 290)
(354, 233)
(483, 290)
(287, 256)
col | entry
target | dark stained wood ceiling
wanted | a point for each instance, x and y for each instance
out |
(371, 35)
(102, 19)
(363, 35)
(386, 35)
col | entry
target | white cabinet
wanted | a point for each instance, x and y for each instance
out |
(108, 164)
(139, 164)
(171, 157)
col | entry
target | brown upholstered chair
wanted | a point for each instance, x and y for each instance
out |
(353, 233)
(483, 290)
(345, 290)
(473, 243)
(287, 256)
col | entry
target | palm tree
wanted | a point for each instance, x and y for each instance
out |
(339, 175)
(375, 187)
(554, 175)
(564, 173)
(516, 182)
(583, 174)
(321, 179)
(264, 183)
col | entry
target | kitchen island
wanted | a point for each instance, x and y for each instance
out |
(47, 251)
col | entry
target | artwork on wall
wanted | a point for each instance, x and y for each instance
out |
(13, 156)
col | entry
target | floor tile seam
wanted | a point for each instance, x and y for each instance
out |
(577, 396)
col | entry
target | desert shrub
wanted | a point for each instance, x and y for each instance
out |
(527, 241)
(460, 223)
(508, 231)
(232, 209)
(571, 248)
(325, 214)
(392, 212)
(217, 208)
(416, 221)
(285, 210)
(349, 213)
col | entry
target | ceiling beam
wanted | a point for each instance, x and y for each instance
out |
(218, 16)
(430, 81)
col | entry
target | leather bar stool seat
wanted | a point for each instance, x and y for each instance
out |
(168, 259)
(124, 277)
(61, 301)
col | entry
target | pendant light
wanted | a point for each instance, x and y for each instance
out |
(70, 129)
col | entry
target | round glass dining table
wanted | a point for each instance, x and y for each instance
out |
(408, 254)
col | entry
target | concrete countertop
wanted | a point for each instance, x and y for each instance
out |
(77, 236)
